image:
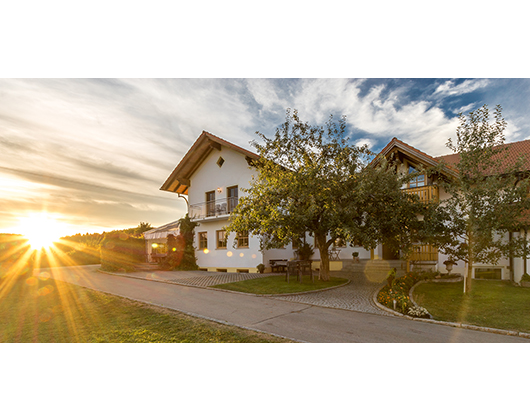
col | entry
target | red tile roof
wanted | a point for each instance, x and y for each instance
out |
(514, 151)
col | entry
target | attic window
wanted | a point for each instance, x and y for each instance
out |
(220, 162)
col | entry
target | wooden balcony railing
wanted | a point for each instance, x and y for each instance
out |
(425, 194)
(424, 252)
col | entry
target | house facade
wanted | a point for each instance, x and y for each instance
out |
(212, 177)
(425, 256)
(213, 174)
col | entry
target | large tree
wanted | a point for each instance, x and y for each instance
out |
(486, 195)
(311, 179)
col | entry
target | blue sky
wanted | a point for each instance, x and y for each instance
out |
(94, 152)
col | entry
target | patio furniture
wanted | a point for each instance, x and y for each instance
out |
(278, 265)
(299, 267)
(334, 254)
(157, 257)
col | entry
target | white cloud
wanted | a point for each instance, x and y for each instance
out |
(449, 88)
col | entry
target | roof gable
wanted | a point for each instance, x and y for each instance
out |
(179, 180)
(510, 157)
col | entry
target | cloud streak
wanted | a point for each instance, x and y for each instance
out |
(80, 146)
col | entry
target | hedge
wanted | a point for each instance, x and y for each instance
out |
(121, 252)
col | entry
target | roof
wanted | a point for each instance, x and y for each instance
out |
(514, 151)
(163, 231)
(512, 154)
(396, 145)
(179, 180)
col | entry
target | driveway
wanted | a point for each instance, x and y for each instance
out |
(296, 320)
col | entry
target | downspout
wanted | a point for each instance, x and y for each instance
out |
(187, 203)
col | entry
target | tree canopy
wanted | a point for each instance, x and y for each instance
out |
(487, 196)
(312, 179)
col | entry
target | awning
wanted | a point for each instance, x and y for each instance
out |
(162, 231)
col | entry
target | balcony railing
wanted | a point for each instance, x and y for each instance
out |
(425, 194)
(424, 252)
(213, 209)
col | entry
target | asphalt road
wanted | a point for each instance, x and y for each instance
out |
(293, 320)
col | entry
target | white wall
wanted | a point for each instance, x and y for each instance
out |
(209, 176)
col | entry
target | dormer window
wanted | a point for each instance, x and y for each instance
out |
(419, 181)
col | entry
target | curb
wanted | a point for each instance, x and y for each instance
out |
(446, 323)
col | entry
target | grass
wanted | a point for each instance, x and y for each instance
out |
(495, 304)
(46, 311)
(278, 285)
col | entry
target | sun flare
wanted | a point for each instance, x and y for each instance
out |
(41, 230)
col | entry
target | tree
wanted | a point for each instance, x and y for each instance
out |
(311, 179)
(486, 196)
(180, 250)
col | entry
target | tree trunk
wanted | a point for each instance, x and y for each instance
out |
(469, 264)
(324, 256)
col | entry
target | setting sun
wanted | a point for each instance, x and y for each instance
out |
(41, 230)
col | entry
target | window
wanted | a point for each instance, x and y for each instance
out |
(210, 203)
(488, 273)
(242, 240)
(419, 181)
(221, 239)
(220, 161)
(232, 194)
(203, 240)
(296, 242)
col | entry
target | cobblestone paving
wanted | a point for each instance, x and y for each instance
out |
(202, 278)
(357, 296)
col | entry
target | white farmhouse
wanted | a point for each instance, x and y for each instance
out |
(214, 172)
(211, 177)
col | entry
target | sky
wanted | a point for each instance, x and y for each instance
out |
(93, 153)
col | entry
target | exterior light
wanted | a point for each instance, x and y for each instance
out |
(219, 190)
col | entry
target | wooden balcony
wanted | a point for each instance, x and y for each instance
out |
(426, 193)
(424, 252)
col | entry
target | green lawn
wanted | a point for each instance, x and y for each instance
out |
(46, 311)
(278, 285)
(495, 304)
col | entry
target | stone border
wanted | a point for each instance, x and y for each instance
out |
(449, 324)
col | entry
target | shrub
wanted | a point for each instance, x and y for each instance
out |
(397, 289)
(525, 277)
(261, 268)
(180, 250)
(418, 312)
(120, 252)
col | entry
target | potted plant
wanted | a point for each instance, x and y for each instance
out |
(355, 256)
(449, 265)
(261, 268)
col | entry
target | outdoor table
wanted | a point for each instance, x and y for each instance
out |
(298, 266)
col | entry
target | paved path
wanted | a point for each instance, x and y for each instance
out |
(298, 321)
(356, 296)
